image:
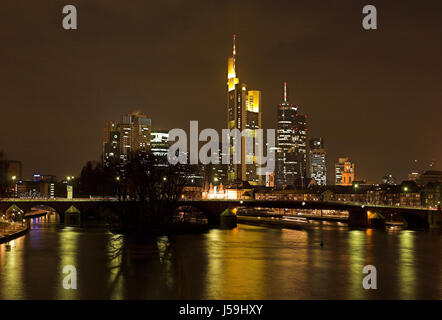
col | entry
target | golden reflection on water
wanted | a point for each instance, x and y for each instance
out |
(11, 269)
(293, 254)
(407, 276)
(356, 252)
(67, 252)
(235, 262)
(248, 262)
(252, 262)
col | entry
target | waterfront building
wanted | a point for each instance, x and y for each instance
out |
(318, 161)
(291, 151)
(227, 193)
(243, 112)
(431, 195)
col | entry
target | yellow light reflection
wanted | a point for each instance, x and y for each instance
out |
(11, 267)
(68, 251)
(356, 252)
(407, 274)
(234, 266)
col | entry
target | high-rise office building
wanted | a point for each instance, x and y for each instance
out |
(159, 145)
(318, 161)
(243, 112)
(131, 133)
(344, 172)
(291, 151)
(135, 133)
(111, 141)
(216, 173)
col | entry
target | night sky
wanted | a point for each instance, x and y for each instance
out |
(374, 96)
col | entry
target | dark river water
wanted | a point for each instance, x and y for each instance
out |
(248, 262)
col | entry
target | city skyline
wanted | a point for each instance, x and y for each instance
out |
(331, 85)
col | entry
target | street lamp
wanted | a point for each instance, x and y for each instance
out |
(117, 179)
(356, 187)
(15, 186)
(69, 187)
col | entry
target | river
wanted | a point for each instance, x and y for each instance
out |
(248, 262)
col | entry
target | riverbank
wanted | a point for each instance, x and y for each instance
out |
(11, 232)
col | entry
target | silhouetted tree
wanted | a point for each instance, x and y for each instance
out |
(147, 187)
(96, 180)
(3, 173)
(153, 186)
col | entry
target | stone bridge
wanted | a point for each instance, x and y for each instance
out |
(358, 214)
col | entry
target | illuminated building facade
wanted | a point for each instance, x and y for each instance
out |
(134, 133)
(344, 172)
(318, 161)
(243, 112)
(216, 173)
(131, 133)
(291, 151)
(159, 144)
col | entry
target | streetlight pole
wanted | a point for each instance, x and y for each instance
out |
(117, 179)
(356, 187)
(15, 185)
(69, 187)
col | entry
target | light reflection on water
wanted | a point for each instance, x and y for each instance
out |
(248, 262)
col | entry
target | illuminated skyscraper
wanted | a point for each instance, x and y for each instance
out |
(111, 141)
(243, 112)
(131, 133)
(291, 152)
(159, 145)
(318, 161)
(134, 133)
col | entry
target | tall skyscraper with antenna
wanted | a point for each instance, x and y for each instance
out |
(243, 112)
(291, 152)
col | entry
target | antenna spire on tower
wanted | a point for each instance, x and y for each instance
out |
(234, 50)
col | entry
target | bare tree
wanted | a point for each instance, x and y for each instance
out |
(152, 187)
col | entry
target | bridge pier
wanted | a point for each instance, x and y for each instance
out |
(358, 218)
